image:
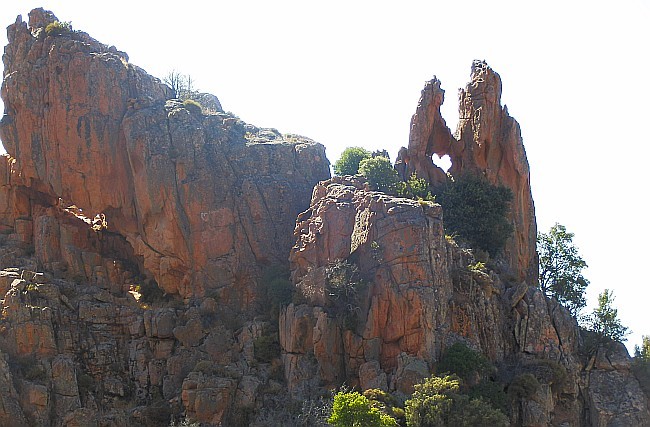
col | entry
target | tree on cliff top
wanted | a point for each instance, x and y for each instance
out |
(348, 163)
(181, 84)
(604, 320)
(560, 268)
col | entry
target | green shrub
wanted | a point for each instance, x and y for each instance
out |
(343, 285)
(464, 362)
(348, 163)
(415, 188)
(279, 290)
(548, 372)
(193, 106)
(386, 404)
(524, 386)
(380, 174)
(58, 28)
(266, 348)
(477, 211)
(352, 409)
(437, 402)
(31, 368)
(491, 392)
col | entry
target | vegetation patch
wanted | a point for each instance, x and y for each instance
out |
(463, 361)
(343, 288)
(193, 106)
(58, 28)
(476, 211)
(267, 348)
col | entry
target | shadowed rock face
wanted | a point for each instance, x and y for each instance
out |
(204, 200)
(487, 142)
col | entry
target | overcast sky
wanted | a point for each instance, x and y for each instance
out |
(350, 73)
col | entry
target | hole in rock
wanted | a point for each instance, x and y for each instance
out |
(443, 162)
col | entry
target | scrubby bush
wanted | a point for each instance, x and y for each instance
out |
(266, 348)
(463, 361)
(476, 211)
(279, 290)
(380, 174)
(438, 402)
(352, 409)
(491, 392)
(343, 284)
(415, 188)
(524, 386)
(58, 28)
(348, 163)
(386, 404)
(193, 106)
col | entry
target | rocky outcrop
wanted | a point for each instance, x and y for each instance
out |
(202, 199)
(418, 293)
(488, 142)
(138, 233)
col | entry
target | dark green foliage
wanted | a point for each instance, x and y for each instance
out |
(58, 28)
(31, 368)
(386, 404)
(560, 268)
(464, 362)
(524, 386)
(279, 290)
(157, 414)
(415, 188)
(380, 174)
(547, 372)
(476, 211)
(343, 286)
(643, 352)
(438, 402)
(641, 364)
(267, 348)
(352, 409)
(490, 392)
(604, 321)
(348, 164)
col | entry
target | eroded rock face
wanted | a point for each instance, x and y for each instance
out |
(488, 142)
(203, 199)
(417, 295)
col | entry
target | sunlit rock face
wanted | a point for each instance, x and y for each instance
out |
(203, 199)
(488, 142)
(137, 231)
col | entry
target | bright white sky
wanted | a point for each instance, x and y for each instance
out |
(350, 73)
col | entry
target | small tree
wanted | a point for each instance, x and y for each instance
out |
(348, 164)
(438, 402)
(643, 352)
(380, 174)
(352, 409)
(415, 188)
(560, 268)
(477, 211)
(604, 320)
(641, 364)
(181, 84)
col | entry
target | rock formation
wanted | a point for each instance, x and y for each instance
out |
(145, 249)
(488, 142)
(202, 199)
